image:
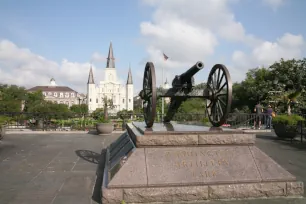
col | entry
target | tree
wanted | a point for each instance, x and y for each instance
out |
(33, 99)
(79, 109)
(11, 98)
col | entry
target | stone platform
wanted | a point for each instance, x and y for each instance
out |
(191, 163)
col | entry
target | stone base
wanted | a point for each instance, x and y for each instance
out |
(202, 193)
(191, 136)
(191, 163)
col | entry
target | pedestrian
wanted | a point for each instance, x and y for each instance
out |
(269, 117)
(258, 110)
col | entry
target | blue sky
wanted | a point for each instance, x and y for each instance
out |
(74, 30)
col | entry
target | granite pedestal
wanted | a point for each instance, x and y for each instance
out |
(179, 163)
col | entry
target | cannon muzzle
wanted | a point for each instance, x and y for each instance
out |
(186, 77)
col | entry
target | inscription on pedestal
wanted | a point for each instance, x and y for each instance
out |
(200, 165)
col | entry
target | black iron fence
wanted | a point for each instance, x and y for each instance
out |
(71, 121)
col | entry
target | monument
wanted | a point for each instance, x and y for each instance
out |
(167, 162)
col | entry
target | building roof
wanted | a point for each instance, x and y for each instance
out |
(129, 79)
(90, 77)
(52, 88)
(110, 59)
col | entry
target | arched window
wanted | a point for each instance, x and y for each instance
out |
(96, 100)
(90, 100)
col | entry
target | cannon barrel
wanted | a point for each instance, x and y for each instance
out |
(186, 76)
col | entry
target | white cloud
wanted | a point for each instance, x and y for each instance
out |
(274, 4)
(191, 30)
(266, 53)
(97, 57)
(188, 31)
(22, 67)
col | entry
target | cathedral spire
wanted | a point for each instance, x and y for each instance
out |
(90, 77)
(110, 59)
(129, 79)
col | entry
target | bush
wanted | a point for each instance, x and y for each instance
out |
(4, 119)
(291, 120)
(102, 120)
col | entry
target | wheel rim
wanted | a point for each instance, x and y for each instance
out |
(149, 92)
(219, 86)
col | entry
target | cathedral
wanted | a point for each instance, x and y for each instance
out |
(122, 95)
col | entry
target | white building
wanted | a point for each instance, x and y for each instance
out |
(122, 95)
(60, 94)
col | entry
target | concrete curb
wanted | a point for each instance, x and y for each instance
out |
(52, 132)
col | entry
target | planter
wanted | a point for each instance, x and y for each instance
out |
(105, 128)
(2, 131)
(285, 131)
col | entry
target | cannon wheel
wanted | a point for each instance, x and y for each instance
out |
(219, 87)
(149, 93)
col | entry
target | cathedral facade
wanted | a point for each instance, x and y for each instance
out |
(110, 88)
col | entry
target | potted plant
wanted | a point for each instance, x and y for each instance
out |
(3, 123)
(104, 125)
(286, 126)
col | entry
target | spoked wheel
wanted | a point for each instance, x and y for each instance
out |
(219, 90)
(149, 94)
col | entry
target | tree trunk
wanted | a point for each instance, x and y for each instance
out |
(289, 110)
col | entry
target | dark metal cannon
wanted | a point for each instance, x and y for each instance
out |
(218, 93)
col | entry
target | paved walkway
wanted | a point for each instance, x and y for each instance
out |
(45, 168)
(60, 168)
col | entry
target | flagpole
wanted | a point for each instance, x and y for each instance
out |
(162, 88)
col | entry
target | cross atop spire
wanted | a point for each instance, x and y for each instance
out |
(129, 79)
(90, 77)
(110, 58)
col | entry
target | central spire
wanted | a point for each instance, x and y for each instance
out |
(110, 59)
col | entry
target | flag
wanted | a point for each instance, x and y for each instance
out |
(165, 57)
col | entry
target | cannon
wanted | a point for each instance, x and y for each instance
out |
(217, 93)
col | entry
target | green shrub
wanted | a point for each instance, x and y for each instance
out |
(4, 119)
(291, 120)
(102, 120)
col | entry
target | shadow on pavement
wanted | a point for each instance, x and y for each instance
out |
(89, 156)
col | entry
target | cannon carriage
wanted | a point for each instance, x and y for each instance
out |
(217, 93)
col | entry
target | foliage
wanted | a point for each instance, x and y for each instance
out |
(108, 104)
(193, 105)
(33, 99)
(56, 111)
(288, 77)
(126, 113)
(80, 109)
(290, 120)
(11, 97)
(102, 120)
(4, 119)
(97, 113)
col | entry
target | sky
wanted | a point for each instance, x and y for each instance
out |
(61, 39)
